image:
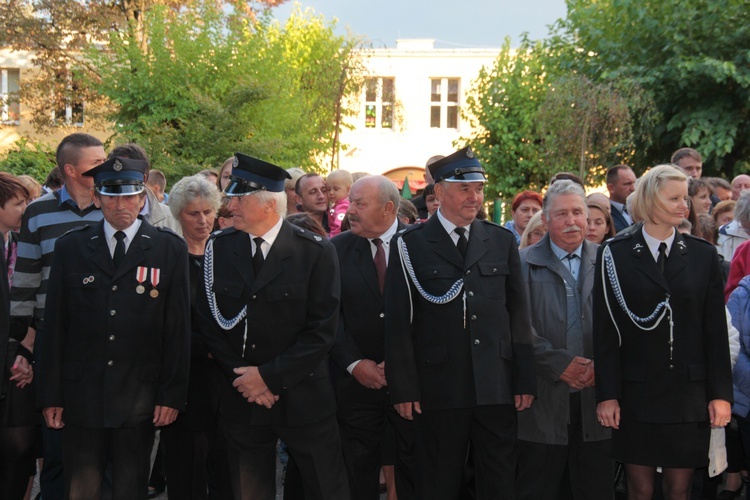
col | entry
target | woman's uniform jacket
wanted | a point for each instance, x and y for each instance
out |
(639, 373)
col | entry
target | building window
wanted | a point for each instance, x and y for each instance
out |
(444, 103)
(71, 110)
(10, 109)
(380, 94)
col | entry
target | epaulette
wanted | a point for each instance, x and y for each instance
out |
(222, 232)
(76, 229)
(309, 235)
(692, 237)
(494, 224)
(408, 230)
(626, 233)
(164, 229)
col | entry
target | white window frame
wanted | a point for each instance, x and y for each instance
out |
(444, 104)
(5, 107)
(379, 103)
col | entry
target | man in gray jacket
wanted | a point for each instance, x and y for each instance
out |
(560, 431)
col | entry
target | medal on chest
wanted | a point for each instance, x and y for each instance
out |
(155, 274)
(140, 277)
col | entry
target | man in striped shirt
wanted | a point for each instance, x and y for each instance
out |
(44, 221)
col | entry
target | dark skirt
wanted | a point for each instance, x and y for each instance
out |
(680, 445)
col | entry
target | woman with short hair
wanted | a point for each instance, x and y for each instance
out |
(663, 374)
(191, 443)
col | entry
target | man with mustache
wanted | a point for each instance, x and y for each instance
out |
(561, 430)
(458, 351)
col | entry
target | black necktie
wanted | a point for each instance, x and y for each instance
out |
(258, 257)
(119, 249)
(662, 260)
(379, 262)
(462, 241)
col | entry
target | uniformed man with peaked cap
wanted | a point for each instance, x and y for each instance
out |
(269, 312)
(113, 360)
(458, 353)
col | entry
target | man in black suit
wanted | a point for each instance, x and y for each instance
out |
(364, 407)
(268, 312)
(459, 355)
(620, 183)
(113, 362)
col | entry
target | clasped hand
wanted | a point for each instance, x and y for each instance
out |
(579, 374)
(252, 387)
(22, 372)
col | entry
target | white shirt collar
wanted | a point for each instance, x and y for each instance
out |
(561, 254)
(450, 227)
(653, 243)
(388, 234)
(269, 237)
(109, 233)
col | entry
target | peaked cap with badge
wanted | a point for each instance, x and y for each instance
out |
(461, 166)
(251, 174)
(119, 176)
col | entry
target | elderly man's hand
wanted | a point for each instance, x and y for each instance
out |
(577, 374)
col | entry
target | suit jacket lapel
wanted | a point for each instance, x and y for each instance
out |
(586, 272)
(274, 262)
(100, 255)
(136, 253)
(366, 264)
(477, 246)
(243, 263)
(677, 259)
(646, 265)
(441, 242)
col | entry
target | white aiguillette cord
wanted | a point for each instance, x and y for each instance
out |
(410, 275)
(208, 279)
(610, 271)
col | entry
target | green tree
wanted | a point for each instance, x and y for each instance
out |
(209, 85)
(588, 127)
(29, 158)
(692, 56)
(58, 32)
(502, 106)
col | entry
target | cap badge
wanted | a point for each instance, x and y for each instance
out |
(469, 153)
(235, 162)
(318, 238)
(117, 166)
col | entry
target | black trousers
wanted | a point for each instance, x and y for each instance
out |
(363, 425)
(316, 449)
(589, 465)
(443, 438)
(86, 453)
(195, 464)
(51, 477)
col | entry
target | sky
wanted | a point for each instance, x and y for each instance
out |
(454, 24)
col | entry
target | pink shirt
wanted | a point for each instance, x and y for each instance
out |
(336, 215)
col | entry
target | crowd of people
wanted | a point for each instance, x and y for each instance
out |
(594, 346)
